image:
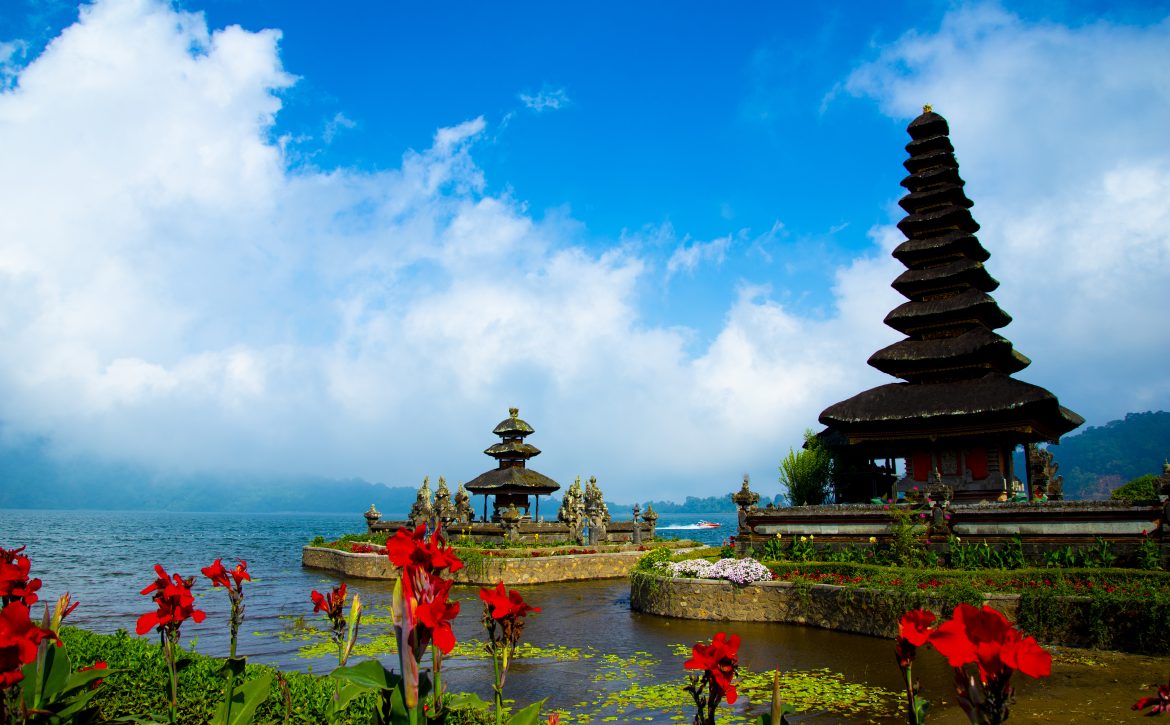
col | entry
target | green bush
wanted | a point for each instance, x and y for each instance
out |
(806, 474)
(142, 686)
(1142, 488)
(650, 559)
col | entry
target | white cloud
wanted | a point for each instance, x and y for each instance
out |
(338, 124)
(173, 291)
(547, 99)
(1060, 133)
(690, 254)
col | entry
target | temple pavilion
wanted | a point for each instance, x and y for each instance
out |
(512, 482)
(959, 414)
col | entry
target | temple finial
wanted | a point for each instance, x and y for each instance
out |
(928, 108)
(514, 412)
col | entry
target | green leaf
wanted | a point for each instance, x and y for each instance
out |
(233, 666)
(369, 674)
(247, 697)
(468, 701)
(527, 716)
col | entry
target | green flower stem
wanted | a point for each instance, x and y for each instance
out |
(169, 653)
(498, 688)
(911, 710)
(437, 692)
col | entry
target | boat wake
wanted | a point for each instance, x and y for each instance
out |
(689, 526)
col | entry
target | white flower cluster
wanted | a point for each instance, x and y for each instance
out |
(740, 571)
(690, 568)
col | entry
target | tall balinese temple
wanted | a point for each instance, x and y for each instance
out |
(512, 482)
(959, 414)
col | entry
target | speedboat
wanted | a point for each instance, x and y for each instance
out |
(704, 524)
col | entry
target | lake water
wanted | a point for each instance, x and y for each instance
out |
(609, 658)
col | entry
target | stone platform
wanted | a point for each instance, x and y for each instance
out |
(614, 562)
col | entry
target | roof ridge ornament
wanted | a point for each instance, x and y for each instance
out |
(928, 108)
(514, 412)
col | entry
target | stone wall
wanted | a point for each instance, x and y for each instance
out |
(820, 605)
(1042, 527)
(512, 571)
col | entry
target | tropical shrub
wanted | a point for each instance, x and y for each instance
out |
(806, 475)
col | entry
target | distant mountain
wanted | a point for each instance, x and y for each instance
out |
(30, 477)
(692, 505)
(1097, 460)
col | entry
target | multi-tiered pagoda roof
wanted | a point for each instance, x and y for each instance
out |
(512, 482)
(957, 369)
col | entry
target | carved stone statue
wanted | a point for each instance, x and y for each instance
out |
(1048, 482)
(463, 511)
(651, 519)
(746, 501)
(568, 512)
(444, 509)
(421, 512)
(593, 496)
(510, 520)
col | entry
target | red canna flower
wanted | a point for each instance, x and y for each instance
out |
(19, 639)
(176, 604)
(915, 626)
(985, 637)
(505, 604)
(1160, 703)
(240, 573)
(719, 662)
(219, 578)
(410, 549)
(15, 586)
(217, 574)
(332, 604)
(436, 612)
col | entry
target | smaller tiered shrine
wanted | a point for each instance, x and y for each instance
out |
(512, 483)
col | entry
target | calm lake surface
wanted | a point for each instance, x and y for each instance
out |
(597, 657)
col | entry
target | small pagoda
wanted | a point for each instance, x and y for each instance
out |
(512, 482)
(959, 414)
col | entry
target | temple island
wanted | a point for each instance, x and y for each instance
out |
(582, 542)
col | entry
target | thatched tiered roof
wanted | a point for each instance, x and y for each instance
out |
(957, 369)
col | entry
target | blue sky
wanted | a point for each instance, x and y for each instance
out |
(258, 235)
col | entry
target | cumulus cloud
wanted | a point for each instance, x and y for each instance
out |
(175, 290)
(1060, 133)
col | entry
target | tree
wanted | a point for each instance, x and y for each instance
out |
(806, 474)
